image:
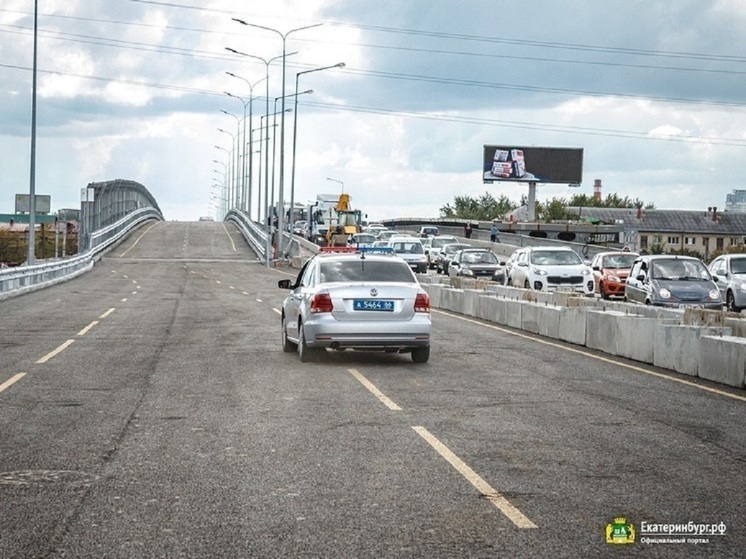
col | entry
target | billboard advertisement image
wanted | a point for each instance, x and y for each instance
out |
(532, 164)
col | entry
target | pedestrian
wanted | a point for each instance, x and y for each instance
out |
(467, 231)
(494, 233)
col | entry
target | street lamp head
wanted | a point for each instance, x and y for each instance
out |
(340, 65)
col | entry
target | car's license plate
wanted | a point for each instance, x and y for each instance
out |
(372, 305)
(565, 289)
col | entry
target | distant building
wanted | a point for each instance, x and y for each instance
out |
(736, 201)
(702, 232)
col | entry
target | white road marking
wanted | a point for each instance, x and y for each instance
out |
(259, 301)
(85, 330)
(229, 236)
(231, 287)
(494, 497)
(138, 240)
(244, 293)
(107, 313)
(51, 354)
(11, 381)
(373, 390)
(598, 357)
(124, 300)
(277, 311)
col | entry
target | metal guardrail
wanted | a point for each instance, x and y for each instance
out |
(22, 279)
(260, 239)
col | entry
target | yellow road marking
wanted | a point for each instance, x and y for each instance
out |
(11, 381)
(598, 357)
(372, 388)
(138, 240)
(51, 354)
(85, 330)
(229, 236)
(107, 313)
(513, 514)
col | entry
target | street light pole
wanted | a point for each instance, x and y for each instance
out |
(247, 195)
(340, 182)
(31, 253)
(295, 132)
(237, 173)
(281, 201)
(266, 140)
(284, 37)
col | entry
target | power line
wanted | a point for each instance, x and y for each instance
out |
(734, 142)
(87, 39)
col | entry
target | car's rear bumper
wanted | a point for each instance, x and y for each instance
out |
(366, 334)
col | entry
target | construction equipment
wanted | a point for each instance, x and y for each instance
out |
(347, 222)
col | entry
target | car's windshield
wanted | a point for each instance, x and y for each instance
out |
(363, 238)
(554, 258)
(365, 270)
(439, 242)
(619, 261)
(738, 265)
(450, 249)
(479, 258)
(675, 269)
(408, 247)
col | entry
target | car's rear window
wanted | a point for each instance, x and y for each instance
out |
(365, 270)
(408, 247)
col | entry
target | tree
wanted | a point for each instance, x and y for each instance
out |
(484, 208)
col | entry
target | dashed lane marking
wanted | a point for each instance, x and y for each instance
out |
(107, 313)
(51, 354)
(493, 496)
(373, 390)
(85, 330)
(11, 381)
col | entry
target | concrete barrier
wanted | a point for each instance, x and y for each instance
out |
(601, 330)
(677, 346)
(572, 325)
(723, 359)
(636, 337)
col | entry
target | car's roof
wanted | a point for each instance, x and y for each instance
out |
(668, 257)
(617, 253)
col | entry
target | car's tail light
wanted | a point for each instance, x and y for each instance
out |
(322, 302)
(422, 303)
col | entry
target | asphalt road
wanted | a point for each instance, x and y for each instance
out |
(147, 410)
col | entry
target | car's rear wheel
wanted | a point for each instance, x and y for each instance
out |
(730, 303)
(287, 345)
(305, 354)
(421, 354)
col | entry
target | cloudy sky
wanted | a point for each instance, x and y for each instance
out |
(652, 91)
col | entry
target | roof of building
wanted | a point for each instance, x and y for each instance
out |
(674, 221)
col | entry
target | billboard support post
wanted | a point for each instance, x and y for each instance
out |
(531, 202)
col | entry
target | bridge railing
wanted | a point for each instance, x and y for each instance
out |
(22, 279)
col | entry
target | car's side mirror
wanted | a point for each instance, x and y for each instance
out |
(502, 263)
(716, 278)
(596, 268)
(524, 264)
(284, 284)
(640, 277)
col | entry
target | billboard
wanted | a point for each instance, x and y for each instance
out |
(43, 203)
(532, 164)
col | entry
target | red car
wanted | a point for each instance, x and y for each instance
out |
(610, 271)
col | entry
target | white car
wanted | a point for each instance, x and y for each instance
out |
(347, 299)
(433, 245)
(551, 269)
(410, 250)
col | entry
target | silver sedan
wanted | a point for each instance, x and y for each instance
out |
(358, 300)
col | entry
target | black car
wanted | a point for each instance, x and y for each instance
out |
(477, 263)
